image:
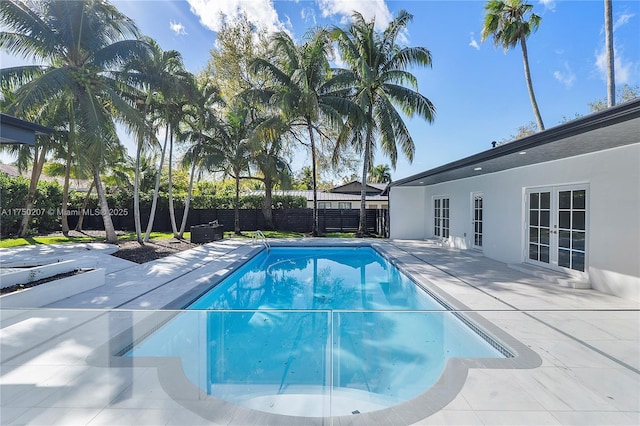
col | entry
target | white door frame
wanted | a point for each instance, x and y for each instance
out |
(557, 233)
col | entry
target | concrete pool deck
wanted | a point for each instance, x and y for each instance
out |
(588, 342)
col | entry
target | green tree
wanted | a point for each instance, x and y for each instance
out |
(510, 22)
(309, 103)
(153, 73)
(380, 82)
(381, 174)
(80, 44)
(273, 169)
(235, 147)
(624, 94)
(36, 156)
(168, 92)
(522, 132)
(237, 45)
(304, 180)
(203, 125)
(174, 112)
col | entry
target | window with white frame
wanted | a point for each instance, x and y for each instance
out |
(324, 204)
(477, 219)
(441, 217)
(344, 205)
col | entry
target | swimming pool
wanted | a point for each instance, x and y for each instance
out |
(316, 278)
(315, 332)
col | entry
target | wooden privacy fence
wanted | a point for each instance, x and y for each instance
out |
(293, 220)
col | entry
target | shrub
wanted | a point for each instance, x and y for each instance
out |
(13, 193)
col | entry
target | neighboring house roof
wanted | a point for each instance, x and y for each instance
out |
(14, 131)
(354, 187)
(321, 195)
(611, 128)
(74, 184)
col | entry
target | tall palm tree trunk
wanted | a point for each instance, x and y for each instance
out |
(362, 225)
(267, 212)
(608, 36)
(314, 226)
(156, 190)
(187, 201)
(527, 76)
(136, 194)
(85, 203)
(71, 142)
(33, 187)
(65, 190)
(136, 177)
(236, 204)
(111, 237)
(172, 212)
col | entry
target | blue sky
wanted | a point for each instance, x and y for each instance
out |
(479, 91)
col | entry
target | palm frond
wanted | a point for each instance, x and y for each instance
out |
(42, 88)
(411, 102)
(407, 57)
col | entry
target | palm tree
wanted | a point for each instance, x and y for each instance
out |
(173, 114)
(163, 78)
(273, 169)
(378, 75)
(79, 44)
(507, 22)
(203, 129)
(299, 86)
(157, 73)
(235, 148)
(381, 174)
(304, 179)
(608, 35)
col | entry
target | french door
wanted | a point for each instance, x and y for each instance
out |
(557, 227)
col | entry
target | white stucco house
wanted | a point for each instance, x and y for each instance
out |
(566, 199)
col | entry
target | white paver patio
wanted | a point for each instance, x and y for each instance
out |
(589, 344)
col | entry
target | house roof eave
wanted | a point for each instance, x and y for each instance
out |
(498, 157)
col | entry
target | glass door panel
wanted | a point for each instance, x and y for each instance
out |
(572, 215)
(539, 226)
(557, 227)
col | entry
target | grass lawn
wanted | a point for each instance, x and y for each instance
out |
(131, 236)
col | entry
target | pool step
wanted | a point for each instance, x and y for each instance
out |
(556, 277)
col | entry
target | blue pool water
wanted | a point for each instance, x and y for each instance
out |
(297, 324)
(354, 278)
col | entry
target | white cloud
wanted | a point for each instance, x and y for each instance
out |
(337, 61)
(213, 13)
(177, 28)
(624, 70)
(566, 76)
(309, 16)
(473, 43)
(549, 4)
(368, 8)
(622, 20)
